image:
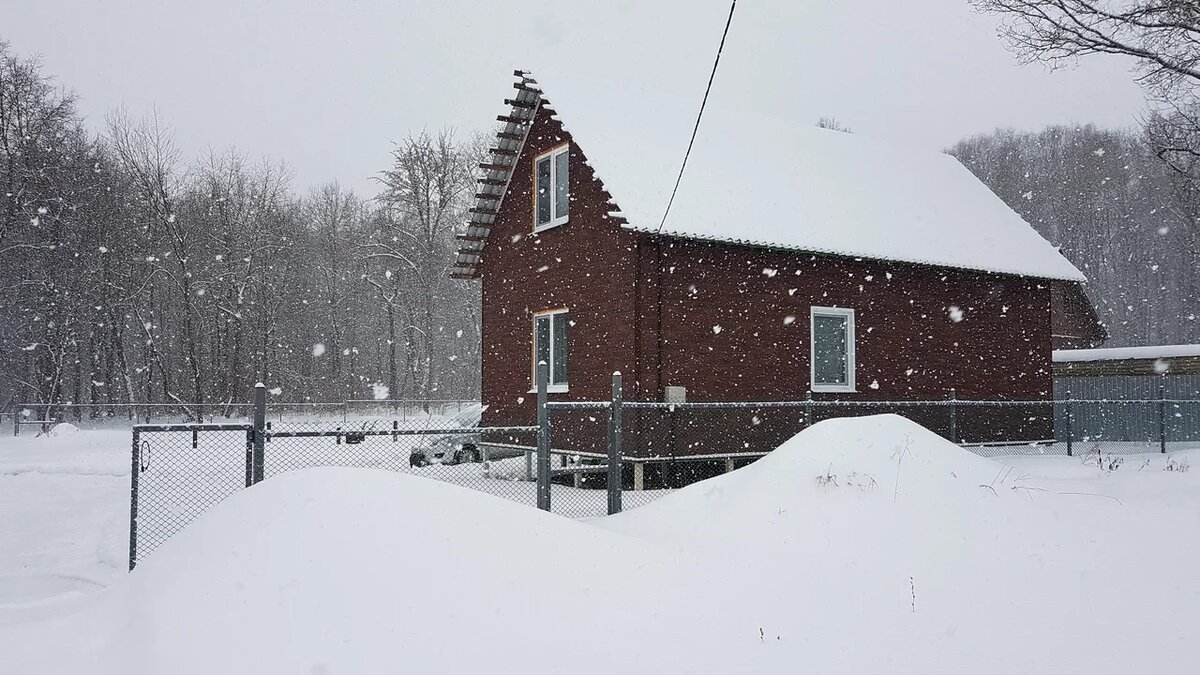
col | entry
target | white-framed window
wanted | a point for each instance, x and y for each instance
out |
(551, 330)
(551, 188)
(831, 354)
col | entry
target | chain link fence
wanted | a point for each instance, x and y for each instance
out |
(591, 458)
(181, 470)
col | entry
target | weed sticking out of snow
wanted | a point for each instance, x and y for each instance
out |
(1105, 462)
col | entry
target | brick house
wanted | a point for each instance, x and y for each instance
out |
(913, 280)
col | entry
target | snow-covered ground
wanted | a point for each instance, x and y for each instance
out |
(861, 545)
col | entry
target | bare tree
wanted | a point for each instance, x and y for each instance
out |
(1162, 37)
(426, 194)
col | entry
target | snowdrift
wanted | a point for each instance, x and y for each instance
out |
(873, 545)
(361, 571)
(860, 545)
(885, 465)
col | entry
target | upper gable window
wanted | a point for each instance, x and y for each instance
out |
(552, 196)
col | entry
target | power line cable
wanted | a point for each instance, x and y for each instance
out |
(696, 128)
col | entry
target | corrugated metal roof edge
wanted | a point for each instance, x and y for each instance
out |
(844, 254)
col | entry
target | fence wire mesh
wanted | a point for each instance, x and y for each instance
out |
(182, 470)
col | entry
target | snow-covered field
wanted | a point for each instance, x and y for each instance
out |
(863, 545)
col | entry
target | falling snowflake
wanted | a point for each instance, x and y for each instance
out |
(104, 249)
(1164, 229)
(1161, 366)
(276, 391)
(543, 268)
(716, 330)
(318, 349)
(42, 211)
(788, 320)
(769, 272)
(956, 314)
(379, 391)
(1099, 152)
(874, 384)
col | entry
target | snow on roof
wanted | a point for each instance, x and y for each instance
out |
(1124, 353)
(772, 181)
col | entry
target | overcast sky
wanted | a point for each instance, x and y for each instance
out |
(326, 86)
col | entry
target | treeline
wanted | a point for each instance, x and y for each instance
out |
(1124, 217)
(129, 273)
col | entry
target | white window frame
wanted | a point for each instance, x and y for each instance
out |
(553, 157)
(839, 312)
(551, 387)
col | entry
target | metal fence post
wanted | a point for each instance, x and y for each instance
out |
(16, 422)
(614, 447)
(1162, 419)
(134, 467)
(953, 416)
(1070, 421)
(249, 457)
(260, 429)
(808, 409)
(543, 439)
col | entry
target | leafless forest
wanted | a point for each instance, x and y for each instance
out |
(129, 272)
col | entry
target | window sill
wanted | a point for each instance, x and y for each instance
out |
(833, 389)
(537, 229)
(552, 389)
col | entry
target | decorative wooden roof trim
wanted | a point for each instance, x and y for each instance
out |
(496, 175)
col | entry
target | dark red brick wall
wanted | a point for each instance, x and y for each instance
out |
(908, 346)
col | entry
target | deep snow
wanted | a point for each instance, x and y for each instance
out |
(861, 545)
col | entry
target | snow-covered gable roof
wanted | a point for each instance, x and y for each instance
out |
(753, 179)
(761, 179)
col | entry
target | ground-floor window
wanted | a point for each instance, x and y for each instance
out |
(550, 339)
(832, 349)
